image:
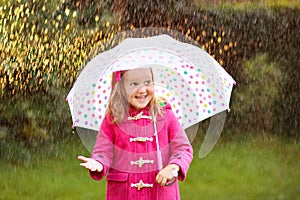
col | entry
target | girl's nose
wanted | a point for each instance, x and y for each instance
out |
(142, 88)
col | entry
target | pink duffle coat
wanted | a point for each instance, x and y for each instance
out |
(128, 153)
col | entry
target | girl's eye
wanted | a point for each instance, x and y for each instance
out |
(133, 84)
(148, 83)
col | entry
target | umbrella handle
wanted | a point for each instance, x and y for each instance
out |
(169, 183)
(159, 157)
(159, 160)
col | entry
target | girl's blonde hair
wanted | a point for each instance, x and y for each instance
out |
(118, 105)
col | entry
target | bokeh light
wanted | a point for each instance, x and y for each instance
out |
(44, 44)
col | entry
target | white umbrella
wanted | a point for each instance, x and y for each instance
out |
(193, 82)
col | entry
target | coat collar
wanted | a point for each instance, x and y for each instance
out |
(133, 111)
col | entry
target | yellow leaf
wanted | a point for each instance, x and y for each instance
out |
(67, 11)
(226, 47)
(68, 27)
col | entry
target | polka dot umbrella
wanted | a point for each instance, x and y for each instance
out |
(193, 82)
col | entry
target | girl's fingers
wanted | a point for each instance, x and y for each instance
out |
(84, 165)
(164, 176)
(160, 179)
(163, 182)
(91, 166)
(92, 169)
(99, 169)
(82, 158)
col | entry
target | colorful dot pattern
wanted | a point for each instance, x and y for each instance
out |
(195, 85)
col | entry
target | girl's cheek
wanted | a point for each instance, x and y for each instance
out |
(129, 94)
(151, 89)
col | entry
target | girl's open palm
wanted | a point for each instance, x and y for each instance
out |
(90, 164)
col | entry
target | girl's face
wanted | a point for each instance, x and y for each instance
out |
(139, 88)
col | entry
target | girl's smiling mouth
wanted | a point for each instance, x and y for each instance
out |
(141, 97)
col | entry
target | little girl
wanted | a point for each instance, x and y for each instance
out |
(141, 147)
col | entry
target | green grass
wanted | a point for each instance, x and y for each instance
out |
(253, 168)
(59, 177)
(239, 168)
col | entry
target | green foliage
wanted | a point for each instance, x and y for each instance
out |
(29, 125)
(90, 13)
(254, 101)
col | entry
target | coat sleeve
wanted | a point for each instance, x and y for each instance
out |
(103, 149)
(180, 147)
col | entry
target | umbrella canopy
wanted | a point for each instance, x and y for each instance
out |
(193, 82)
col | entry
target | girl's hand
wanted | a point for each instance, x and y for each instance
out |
(166, 174)
(90, 164)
